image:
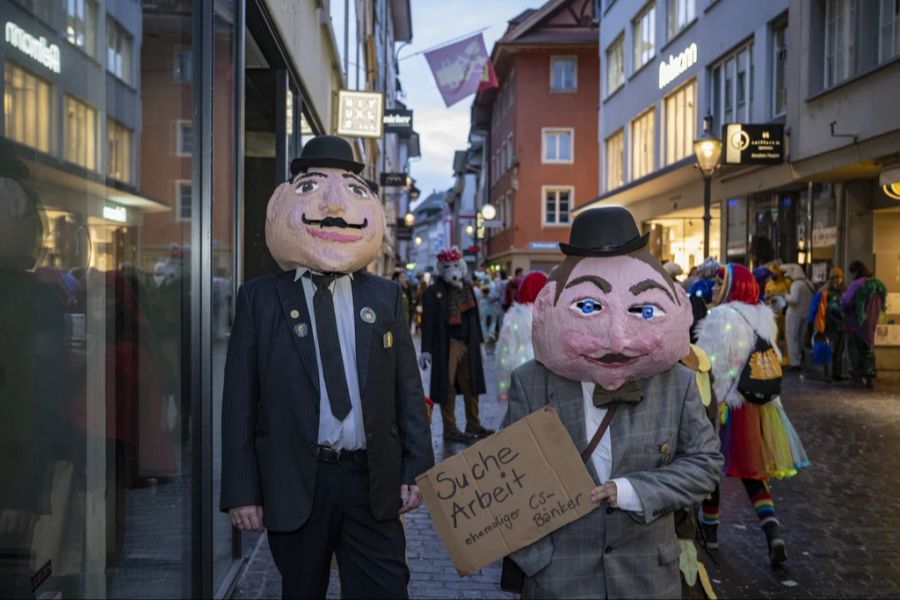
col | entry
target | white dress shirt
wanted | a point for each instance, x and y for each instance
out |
(348, 434)
(626, 496)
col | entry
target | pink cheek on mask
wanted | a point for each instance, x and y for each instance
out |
(295, 216)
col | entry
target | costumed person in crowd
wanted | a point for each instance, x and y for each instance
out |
(511, 290)
(827, 324)
(776, 293)
(762, 275)
(798, 300)
(323, 419)
(486, 306)
(609, 330)
(673, 269)
(451, 346)
(758, 440)
(862, 304)
(514, 347)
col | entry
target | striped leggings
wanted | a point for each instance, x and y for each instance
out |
(760, 495)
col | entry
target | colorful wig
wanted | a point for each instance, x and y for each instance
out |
(738, 285)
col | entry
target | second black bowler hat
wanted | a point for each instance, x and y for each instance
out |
(605, 231)
(326, 151)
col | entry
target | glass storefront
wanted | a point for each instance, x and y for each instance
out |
(775, 226)
(121, 246)
(678, 236)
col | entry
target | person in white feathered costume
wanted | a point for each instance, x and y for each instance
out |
(514, 347)
(739, 335)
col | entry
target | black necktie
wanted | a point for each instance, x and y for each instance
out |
(330, 347)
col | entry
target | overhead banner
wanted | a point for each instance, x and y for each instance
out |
(399, 121)
(748, 144)
(461, 68)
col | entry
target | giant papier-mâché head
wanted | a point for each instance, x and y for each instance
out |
(326, 217)
(609, 313)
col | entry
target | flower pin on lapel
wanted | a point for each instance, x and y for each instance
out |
(367, 315)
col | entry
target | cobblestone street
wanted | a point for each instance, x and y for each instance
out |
(841, 517)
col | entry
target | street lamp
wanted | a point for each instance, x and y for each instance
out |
(707, 150)
(409, 220)
(418, 240)
(488, 212)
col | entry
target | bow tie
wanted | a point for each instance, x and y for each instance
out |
(629, 393)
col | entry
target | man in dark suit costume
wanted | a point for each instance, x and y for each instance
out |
(323, 419)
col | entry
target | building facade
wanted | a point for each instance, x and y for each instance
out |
(139, 144)
(821, 69)
(540, 123)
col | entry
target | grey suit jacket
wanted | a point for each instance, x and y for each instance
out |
(665, 446)
(270, 404)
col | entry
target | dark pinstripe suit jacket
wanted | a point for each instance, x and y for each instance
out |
(270, 406)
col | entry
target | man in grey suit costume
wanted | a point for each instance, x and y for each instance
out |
(323, 415)
(609, 330)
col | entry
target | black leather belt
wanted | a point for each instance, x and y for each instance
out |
(330, 455)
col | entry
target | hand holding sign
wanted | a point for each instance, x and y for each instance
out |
(507, 491)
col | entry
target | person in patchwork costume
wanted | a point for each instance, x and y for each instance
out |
(451, 346)
(610, 330)
(323, 423)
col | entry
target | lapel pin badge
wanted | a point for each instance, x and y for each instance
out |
(367, 315)
(295, 314)
(389, 340)
(301, 329)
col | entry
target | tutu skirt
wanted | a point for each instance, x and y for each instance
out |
(759, 442)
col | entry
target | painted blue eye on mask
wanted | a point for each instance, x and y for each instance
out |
(587, 306)
(647, 311)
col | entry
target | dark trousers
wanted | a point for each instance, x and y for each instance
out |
(836, 338)
(370, 554)
(460, 383)
(862, 357)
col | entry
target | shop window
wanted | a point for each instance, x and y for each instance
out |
(41, 9)
(119, 48)
(736, 229)
(81, 24)
(563, 73)
(510, 153)
(26, 107)
(184, 137)
(732, 88)
(183, 200)
(642, 132)
(644, 26)
(80, 133)
(615, 65)
(779, 64)
(681, 117)
(557, 145)
(183, 65)
(557, 203)
(118, 138)
(615, 154)
(681, 14)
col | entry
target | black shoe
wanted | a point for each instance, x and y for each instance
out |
(455, 435)
(777, 553)
(710, 533)
(479, 431)
(838, 379)
(869, 382)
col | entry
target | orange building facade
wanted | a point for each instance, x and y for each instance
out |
(542, 121)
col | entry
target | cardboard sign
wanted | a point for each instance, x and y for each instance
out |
(507, 491)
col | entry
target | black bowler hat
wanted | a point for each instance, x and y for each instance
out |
(326, 151)
(605, 231)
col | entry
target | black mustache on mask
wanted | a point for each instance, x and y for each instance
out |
(335, 222)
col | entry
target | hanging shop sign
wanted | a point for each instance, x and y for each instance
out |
(750, 144)
(398, 120)
(543, 245)
(114, 212)
(394, 179)
(360, 114)
(38, 48)
(669, 70)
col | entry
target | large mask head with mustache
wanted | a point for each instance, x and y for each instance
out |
(609, 312)
(326, 218)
